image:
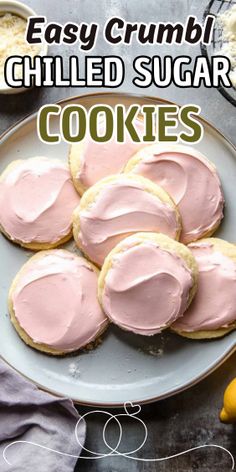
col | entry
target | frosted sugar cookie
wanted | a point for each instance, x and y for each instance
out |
(37, 198)
(213, 311)
(118, 206)
(147, 281)
(53, 302)
(190, 179)
(91, 161)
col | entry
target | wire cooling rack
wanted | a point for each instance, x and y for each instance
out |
(217, 7)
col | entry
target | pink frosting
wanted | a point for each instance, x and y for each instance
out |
(55, 301)
(37, 199)
(214, 305)
(122, 207)
(191, 181)
(99, 160)
(146, 289)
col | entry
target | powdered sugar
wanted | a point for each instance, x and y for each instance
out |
(227, 21)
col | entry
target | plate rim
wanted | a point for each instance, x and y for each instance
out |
(232, 347)
(175, 391)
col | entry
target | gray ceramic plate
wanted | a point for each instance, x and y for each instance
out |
(124, 367)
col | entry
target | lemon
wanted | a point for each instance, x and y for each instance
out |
(228, 412)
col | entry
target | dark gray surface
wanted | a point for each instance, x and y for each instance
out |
(174, 425)
(190, 418)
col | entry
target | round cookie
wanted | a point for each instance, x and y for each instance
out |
(118, 206)
(37, 199)
(53, 302)
(190, 179)
(213, 311)
(90, 161)
(146, 282)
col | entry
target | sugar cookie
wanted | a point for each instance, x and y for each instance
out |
(91, 161)
(118, 206)
(37, 199)
(190, 179)
(213, 311)
(53, 302)
(147, 281)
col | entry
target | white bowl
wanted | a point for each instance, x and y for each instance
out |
(19, 9)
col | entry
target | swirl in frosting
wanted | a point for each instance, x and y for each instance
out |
(214, 305)
(146, 288)
(37, 199)
(98, 160)
(121, 207)
(192, 182)
(55, 301)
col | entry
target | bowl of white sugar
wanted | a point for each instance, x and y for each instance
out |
(13, 27)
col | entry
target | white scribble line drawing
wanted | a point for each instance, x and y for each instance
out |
(113, 451)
